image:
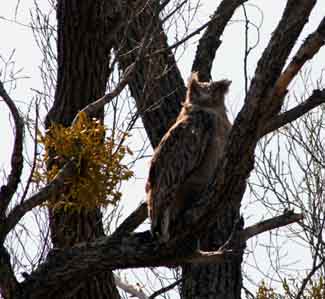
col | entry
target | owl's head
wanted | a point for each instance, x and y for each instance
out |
(209, 94)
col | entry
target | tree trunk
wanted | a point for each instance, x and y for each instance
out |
(215, 281)
(83, 69)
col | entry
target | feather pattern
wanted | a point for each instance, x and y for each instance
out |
(187, 155)
(173, 162)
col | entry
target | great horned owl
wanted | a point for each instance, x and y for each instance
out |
(187, 155)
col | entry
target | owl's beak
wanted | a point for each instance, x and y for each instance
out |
(225, 85)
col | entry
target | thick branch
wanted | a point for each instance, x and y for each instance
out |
(132, 221)
(308, 49)
(221, 255)
(8, 190)
(135, 250)
(210, 41)
(259, 107)
(317, 98)
(260, 103)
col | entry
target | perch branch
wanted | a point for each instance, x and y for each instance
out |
(131, 251)
(132, 221)
(222, 255)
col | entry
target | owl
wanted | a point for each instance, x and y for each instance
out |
(187, 155)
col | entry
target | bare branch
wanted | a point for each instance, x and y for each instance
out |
(94, 107)
(259, 107)
(51, 189)
(132, 221)
(186, 38)
(165, 289)
(211, 257)
(269, 224)
(307, 279)
(222, 254)
(8, 190)
(67, 170)
(133, 251)
(135, 291)
(317, 98)
(210, 41)
(261, 101)
(307, 51)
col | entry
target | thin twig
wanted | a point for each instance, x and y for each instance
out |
(30, 178)
(165, 289)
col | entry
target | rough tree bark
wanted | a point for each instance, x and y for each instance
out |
(83, 44)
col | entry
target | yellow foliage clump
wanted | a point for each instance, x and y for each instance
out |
(264, 292)
(314, 289)
(99, 163)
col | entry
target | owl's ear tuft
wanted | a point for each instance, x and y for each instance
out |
(194, 77)
(224, 85)
(193, 86)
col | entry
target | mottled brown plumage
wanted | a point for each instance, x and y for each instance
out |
(187, 155)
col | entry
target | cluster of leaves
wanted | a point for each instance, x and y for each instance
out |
(265, 292)
(100, 170)
(314, 290)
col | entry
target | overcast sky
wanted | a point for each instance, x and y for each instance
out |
(16, 35)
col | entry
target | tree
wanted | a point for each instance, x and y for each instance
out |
(96, 39)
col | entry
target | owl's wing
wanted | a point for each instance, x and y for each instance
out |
(178, 154)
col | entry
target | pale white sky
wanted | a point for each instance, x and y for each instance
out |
(228, 64)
